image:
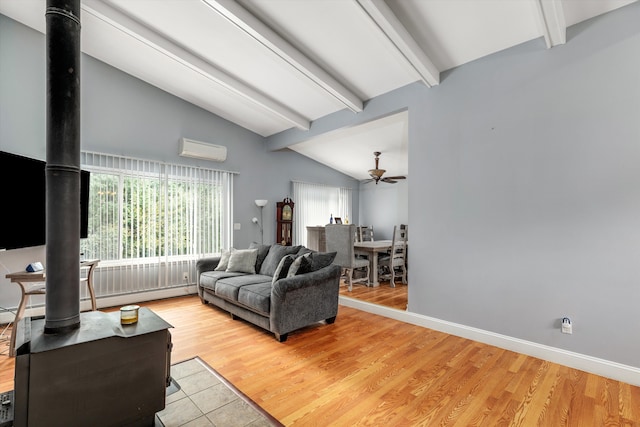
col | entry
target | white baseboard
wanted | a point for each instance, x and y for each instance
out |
(594, 365)
(114, 301)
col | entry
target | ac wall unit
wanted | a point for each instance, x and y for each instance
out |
(202, 150)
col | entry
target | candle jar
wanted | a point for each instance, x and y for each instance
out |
(129, 314)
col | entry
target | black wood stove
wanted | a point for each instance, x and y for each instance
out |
(102, 374)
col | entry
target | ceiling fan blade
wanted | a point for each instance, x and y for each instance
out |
(396, 177)
(388, 180)
(366, 181)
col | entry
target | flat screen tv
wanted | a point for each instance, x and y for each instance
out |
(22, 180)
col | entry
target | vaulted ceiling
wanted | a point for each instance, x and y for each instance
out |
(272, 65)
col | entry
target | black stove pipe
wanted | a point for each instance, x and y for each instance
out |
(62, 305)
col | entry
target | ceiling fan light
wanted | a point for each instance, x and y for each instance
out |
(376, 172)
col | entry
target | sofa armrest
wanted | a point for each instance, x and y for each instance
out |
(206, 264)
(319, 278)
(302, 300)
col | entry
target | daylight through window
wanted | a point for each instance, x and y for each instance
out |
(143, 210)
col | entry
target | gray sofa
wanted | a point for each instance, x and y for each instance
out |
(279, 288)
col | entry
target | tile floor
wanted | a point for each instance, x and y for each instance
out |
(204, 400)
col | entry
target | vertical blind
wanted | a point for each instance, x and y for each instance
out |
(315, 204)
(150, 221)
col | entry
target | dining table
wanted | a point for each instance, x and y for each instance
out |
(372, 248)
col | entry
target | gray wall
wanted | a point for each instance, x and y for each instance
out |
(125, 116)
(383, 206)
(524, 203)
(531, 195)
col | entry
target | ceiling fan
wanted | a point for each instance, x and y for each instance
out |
(376, 174)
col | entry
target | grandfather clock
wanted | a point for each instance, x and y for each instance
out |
(284, 222)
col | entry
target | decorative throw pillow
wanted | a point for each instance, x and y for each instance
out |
(224, 259)
(243, 261)
(276, 253)
(303, 251)
(321, 259)
(300, 265)
(283, 268)
(263, 250)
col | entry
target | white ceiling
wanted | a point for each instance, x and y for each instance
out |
(272, 65)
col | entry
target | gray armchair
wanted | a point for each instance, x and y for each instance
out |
(340, 239)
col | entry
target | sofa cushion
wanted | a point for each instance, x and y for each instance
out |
(301, 265)
(224, 259)
(257, 297)
(283, 267)
(208, 279)
(276, 253)
(243, 261)
(229, 287)
(321, 259)
(263, 250)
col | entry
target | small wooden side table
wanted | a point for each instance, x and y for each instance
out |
(23, 278)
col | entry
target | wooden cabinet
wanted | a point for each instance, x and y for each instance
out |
(284, 222)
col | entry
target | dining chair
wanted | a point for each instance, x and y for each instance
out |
(405, 228)
(340, 239)
(396, 259)
(365, 233)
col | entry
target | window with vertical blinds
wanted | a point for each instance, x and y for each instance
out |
(315, 203)
(150, 221)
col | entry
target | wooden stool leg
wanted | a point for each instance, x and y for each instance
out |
(16, 320)
(89, 280)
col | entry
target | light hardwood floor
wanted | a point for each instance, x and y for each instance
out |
(382, 295)
(369, 370)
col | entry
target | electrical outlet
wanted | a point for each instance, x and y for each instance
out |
(185, 276)
(567, 327)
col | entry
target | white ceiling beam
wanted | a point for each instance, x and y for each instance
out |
(143, 34)
(393, 29)
(551, 21)
(255, 28)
